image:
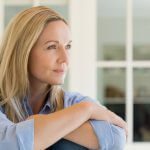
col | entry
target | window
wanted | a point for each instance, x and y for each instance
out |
(123, 63)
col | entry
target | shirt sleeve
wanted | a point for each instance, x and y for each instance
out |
(110, 137)
(19, 136)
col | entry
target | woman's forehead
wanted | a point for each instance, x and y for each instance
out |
(55, 31)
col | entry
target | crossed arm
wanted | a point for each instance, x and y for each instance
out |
(78, 130)
(107, 130)
(85, 136)
(113, 132)
(99, 135)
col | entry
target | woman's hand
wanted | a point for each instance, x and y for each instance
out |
(117, 120)
(99, 112)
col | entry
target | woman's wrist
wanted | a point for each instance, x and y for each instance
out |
(116, 120)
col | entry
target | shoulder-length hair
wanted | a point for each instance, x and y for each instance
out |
(21, 35)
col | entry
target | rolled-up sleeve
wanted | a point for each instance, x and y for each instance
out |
(19, 136)
(110, 137)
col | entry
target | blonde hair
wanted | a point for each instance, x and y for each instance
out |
(19, 38)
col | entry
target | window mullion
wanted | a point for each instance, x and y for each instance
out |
(129, 71)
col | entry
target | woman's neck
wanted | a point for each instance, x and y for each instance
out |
(37, 97)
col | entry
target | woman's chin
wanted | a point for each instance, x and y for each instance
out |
(58, 82)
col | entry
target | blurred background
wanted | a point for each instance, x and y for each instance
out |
(110, 58)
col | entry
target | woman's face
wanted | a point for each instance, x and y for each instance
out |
(49, 58)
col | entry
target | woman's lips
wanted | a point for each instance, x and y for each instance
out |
(59, 71)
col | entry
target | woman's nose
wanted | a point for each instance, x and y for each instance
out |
(64, 55)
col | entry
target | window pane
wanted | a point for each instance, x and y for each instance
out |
(141, 30)
(142, 122)
(141, 85)
(141, 105)
(12, 10)
(61, 6)
(62, 10)
(111, 30)
(111, 89)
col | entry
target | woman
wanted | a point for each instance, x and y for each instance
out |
(35, 111)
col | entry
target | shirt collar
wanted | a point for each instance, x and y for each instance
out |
(45, 109)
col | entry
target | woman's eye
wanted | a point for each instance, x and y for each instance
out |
(68, 46)
(52, 47)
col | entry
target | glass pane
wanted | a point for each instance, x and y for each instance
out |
(141, 85)
(61, 6)
(63, 10)
(111, 29)
(141, 105)
(141, 30)
(142, 122)
(111, 89)
(12, 10)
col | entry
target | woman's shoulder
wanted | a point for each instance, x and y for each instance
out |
(71, 98)
(69, 95)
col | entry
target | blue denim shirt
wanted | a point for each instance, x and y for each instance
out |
(20, 136)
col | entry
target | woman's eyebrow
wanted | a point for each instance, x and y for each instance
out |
(70, 42)
(52, 41)
(56, 41)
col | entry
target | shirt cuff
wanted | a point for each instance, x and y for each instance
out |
(103, 132)
(110, 137)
